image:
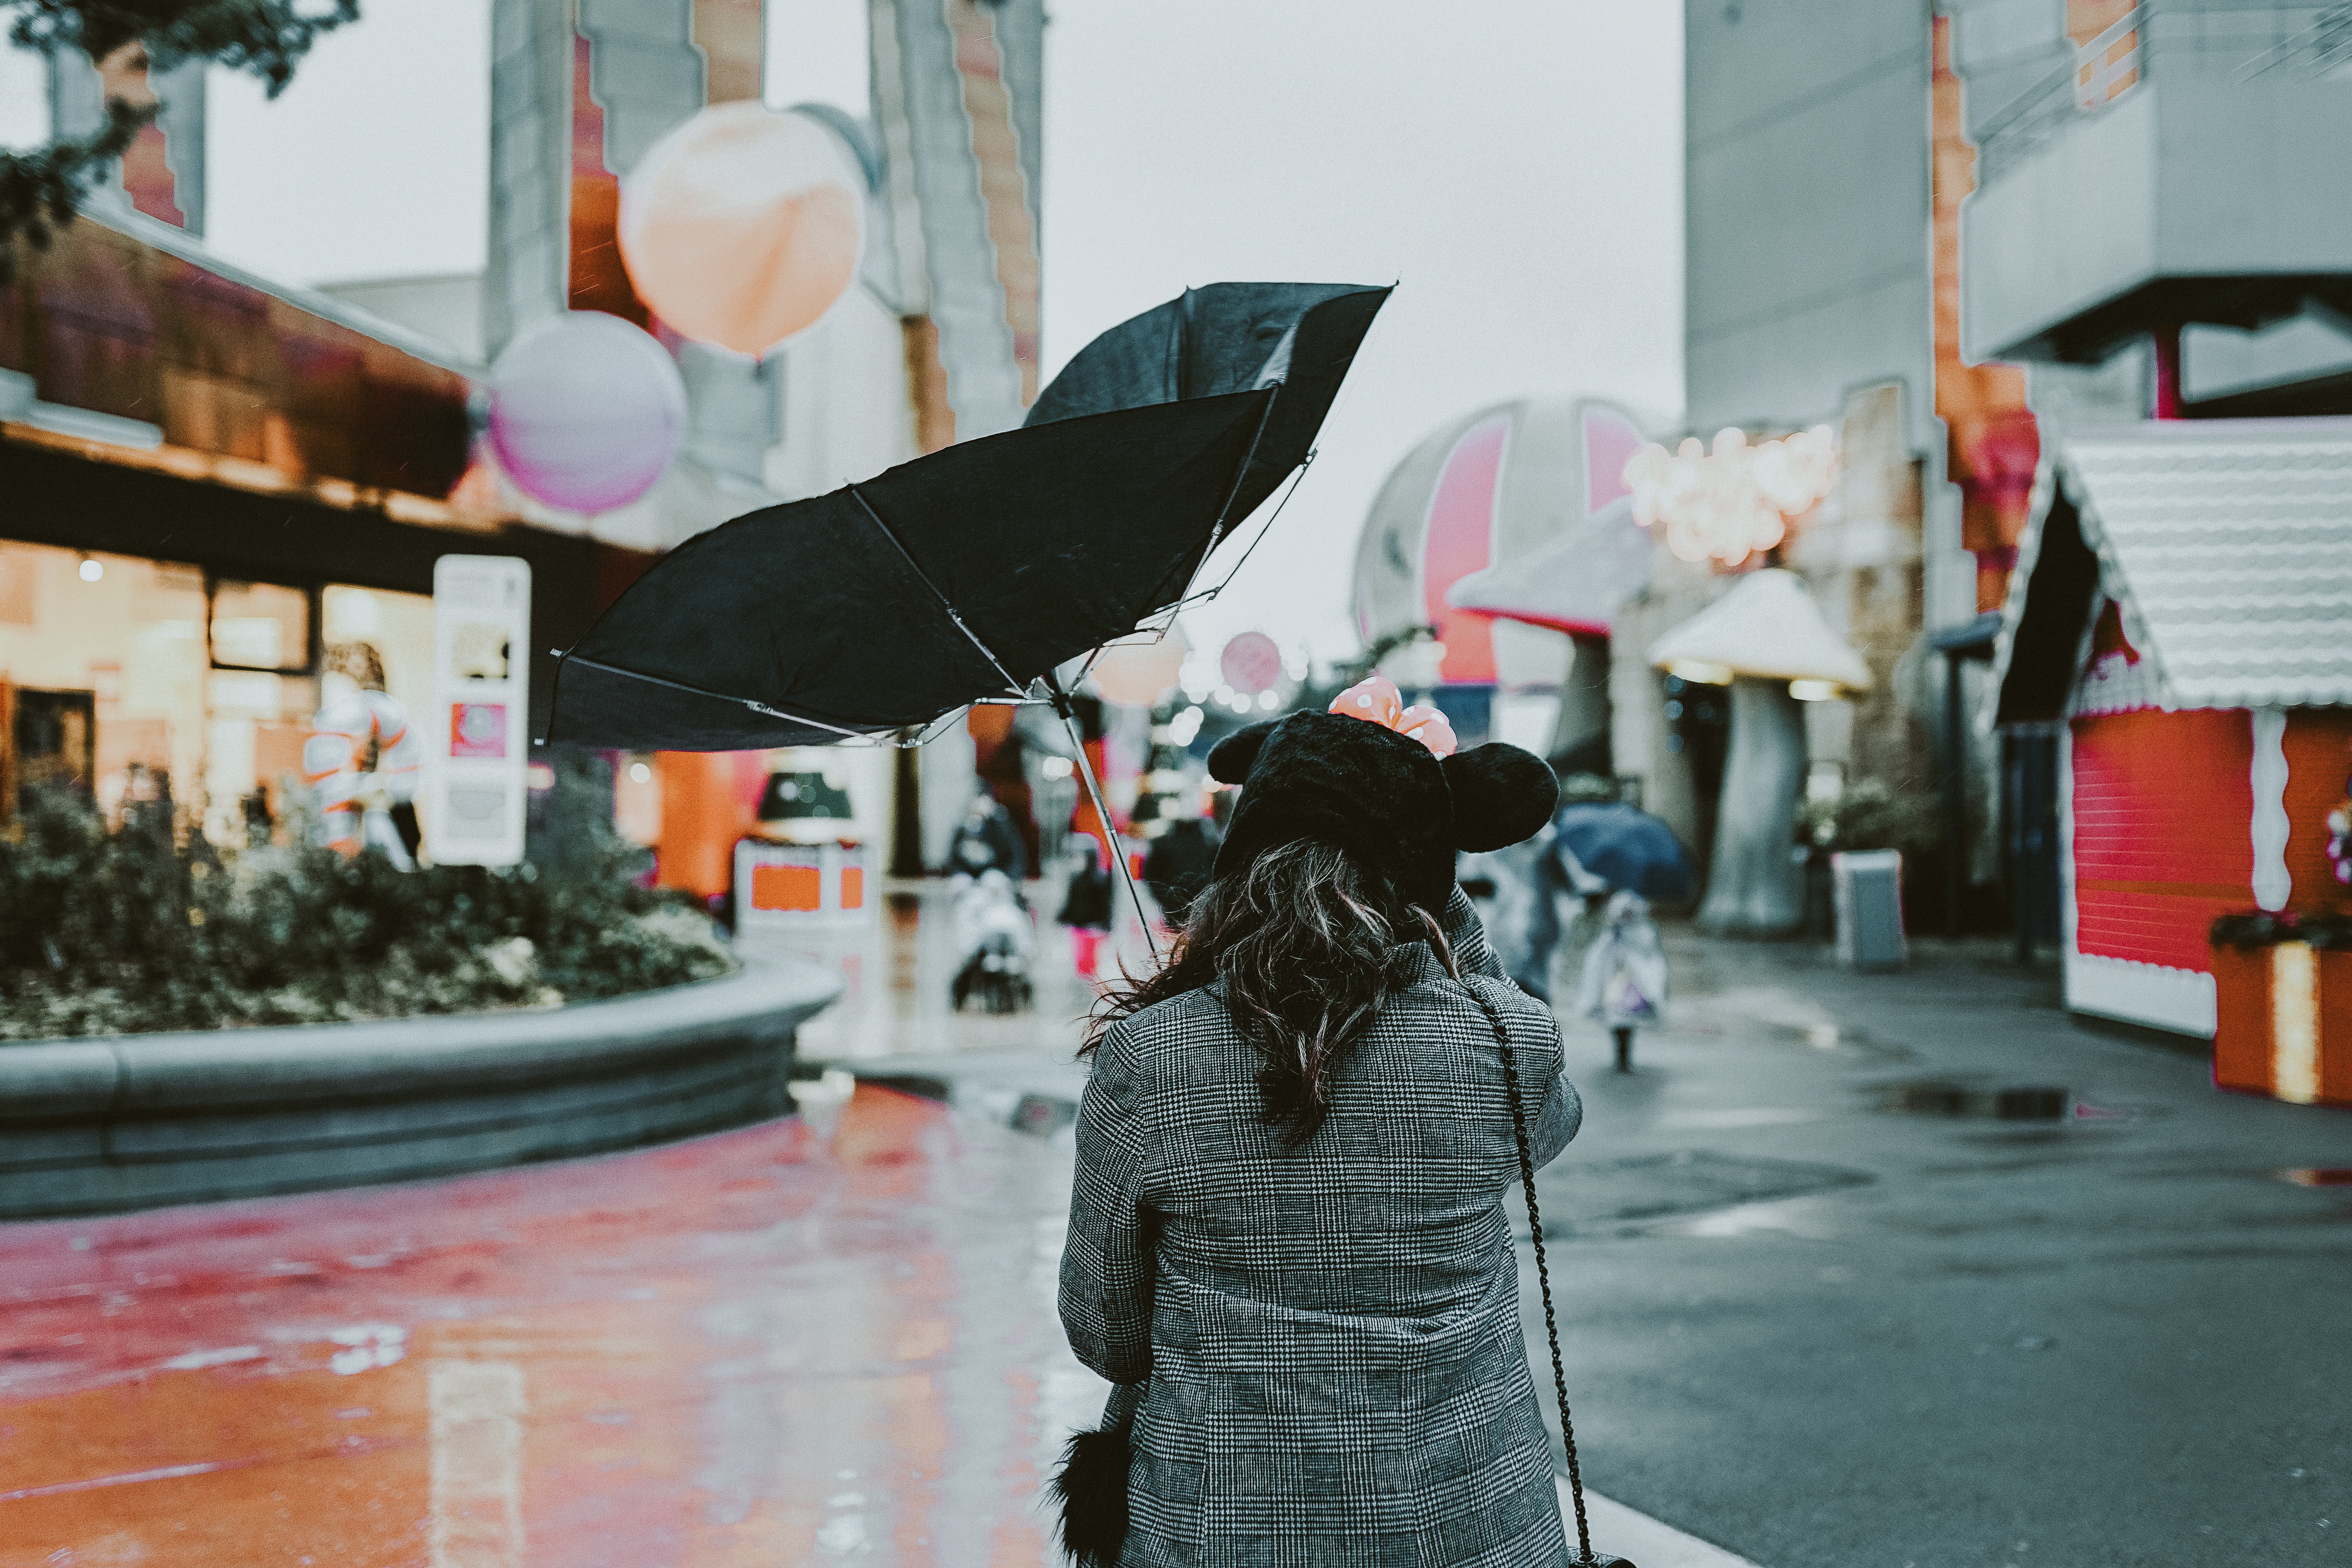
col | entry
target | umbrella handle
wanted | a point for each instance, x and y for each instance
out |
(1102, 813)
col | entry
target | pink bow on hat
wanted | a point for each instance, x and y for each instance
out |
(1376, 698)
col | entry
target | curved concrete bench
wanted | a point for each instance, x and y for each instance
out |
(99, 1125)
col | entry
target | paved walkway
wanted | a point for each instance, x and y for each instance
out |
(1824, 1308)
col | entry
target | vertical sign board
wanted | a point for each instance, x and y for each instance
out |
(481, 723)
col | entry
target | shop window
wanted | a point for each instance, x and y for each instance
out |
(382, 641)
(261, 625)
(53, 737)
(101, 679)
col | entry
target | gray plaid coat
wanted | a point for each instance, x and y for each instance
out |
(1320, 1346)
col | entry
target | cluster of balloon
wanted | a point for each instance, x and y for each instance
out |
(587, 411)
(743, 226)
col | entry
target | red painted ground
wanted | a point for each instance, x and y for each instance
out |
(765, 1347)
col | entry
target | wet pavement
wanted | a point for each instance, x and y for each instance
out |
(1883, 1270)
(896, 970)
(828, 1338)
(774, 1345)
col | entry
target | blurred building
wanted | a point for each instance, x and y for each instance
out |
(211, 480)
(1810, 288)
(212, 476)
(1956, 233)
(1486, 491)
(2154, 235)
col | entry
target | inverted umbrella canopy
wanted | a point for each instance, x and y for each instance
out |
(963, 575)
(1221, 339)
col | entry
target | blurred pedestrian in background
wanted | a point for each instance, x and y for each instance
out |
(1085, 906)
(1178, 865)
(1623, 980)
(988, 840)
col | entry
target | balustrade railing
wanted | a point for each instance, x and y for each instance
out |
(2168, 38)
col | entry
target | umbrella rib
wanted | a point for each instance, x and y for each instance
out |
(1061, 700)
(1218, 533)
(715, 696)
(1297, 477)
(916, 567)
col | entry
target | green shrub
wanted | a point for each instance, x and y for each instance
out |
(125, 931)
(2250, 928)
(1867, 815)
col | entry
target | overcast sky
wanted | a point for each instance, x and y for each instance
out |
(1515, 165)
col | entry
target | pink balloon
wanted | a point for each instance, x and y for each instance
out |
(742, 226)
(585, 411)
(1251, 663)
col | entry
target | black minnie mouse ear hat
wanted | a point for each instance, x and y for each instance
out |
(1383, 797)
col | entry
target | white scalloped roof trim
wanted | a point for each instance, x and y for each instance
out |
(2232, 541)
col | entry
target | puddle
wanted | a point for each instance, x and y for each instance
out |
(1733, 1118)
(1941, 1097)
(1616, 1197)
(1804, 1217)
(1837, 1038)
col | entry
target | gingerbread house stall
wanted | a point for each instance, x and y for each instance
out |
(2181, 617)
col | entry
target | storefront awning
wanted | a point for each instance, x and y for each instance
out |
(125, 317)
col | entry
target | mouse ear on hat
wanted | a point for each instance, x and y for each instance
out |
(1501, 794)
(1230, 759)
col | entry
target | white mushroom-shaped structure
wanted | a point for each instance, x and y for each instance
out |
(1762, 638)
(1575, 584)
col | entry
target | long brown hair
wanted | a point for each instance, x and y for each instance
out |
(1301, 939)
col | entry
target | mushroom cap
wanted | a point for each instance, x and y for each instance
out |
(1767, 626)
(1578, 582)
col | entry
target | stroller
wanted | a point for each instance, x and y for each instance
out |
(992, 930)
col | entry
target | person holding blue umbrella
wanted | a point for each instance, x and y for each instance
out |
(1622, 853)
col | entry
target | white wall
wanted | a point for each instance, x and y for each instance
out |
(846, 405)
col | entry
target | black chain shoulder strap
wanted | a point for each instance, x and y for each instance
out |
(1543, 1270)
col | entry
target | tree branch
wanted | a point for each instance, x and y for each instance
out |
(266, 38)
(40, 191)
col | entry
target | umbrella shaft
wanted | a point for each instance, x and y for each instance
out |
(1102, 812)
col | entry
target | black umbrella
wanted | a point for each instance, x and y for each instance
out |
(1225, 338)
(963, 575)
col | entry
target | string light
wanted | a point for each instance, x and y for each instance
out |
(1728, 503)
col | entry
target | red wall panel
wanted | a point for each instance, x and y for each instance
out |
(2318, 761)
(2162, 808)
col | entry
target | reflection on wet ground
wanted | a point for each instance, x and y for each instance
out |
(832, 1337)
(767, 1346)
(896, 970)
